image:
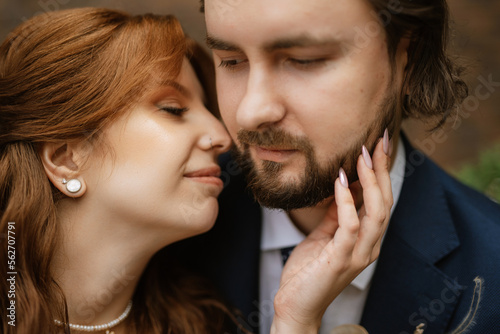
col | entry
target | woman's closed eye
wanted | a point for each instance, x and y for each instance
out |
(176, 111)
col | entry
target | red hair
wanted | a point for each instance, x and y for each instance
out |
(66, 75)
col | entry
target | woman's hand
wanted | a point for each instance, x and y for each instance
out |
(337, 250)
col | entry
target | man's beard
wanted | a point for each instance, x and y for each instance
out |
(317, 182)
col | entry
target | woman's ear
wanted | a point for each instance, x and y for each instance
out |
(63, 165)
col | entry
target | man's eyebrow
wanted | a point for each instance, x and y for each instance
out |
(215, 43)
(300, 41)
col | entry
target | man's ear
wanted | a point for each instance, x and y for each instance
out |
(402, 58)
(62, 163)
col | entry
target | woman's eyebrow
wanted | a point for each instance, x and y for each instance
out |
(177, 86)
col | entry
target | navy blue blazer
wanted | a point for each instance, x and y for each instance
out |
(439, 263)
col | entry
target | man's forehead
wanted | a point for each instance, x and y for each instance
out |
(227, 9)
(272, 24)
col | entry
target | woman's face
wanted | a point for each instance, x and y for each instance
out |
(162, 170)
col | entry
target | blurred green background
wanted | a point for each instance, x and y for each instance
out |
(484, 175)
(469, 147)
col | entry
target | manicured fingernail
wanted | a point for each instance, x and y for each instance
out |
(343, 178)
(366, 157)
(385, 142)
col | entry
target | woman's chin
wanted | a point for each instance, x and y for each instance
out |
(202, 219)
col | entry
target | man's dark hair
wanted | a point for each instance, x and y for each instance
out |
(432, 85)
(432, 80)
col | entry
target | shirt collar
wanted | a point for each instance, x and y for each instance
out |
(278, 231)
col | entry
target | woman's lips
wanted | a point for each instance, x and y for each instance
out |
(209, 175)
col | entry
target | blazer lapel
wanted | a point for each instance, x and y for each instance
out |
(408, 288)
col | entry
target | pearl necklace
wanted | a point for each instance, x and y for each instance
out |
(97, 328)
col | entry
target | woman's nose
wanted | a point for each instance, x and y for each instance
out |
(217, 138)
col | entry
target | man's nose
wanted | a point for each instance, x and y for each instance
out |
(262, 104)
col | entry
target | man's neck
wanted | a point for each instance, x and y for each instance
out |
(307, 219)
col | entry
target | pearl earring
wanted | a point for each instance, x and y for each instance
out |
(73, 185)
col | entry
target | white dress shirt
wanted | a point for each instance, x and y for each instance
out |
(278, 232)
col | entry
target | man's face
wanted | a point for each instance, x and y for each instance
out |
(302, 85)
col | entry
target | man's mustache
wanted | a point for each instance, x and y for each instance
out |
(275, 138)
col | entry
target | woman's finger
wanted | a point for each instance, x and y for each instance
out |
(381, 166)
(346, 235)
(374, 214)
